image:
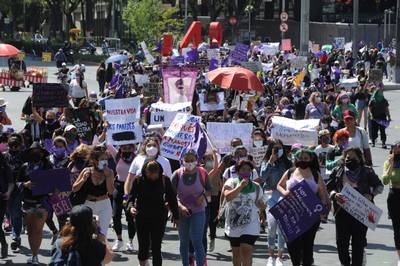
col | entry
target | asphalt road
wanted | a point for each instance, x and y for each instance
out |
(380, 250)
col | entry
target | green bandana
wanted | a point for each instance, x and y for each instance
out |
(378, 96)
(248, 189)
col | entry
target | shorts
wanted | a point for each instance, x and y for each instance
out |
(243, 239)
(361, 104)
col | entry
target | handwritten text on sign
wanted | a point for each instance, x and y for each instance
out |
(298, 212)
(179, 135)
(50, 95)
(60, 203)
(292, 131)
(123, 117)
(360, 207)
(164, 113)
(258, 154)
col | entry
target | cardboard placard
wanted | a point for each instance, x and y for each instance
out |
(49, 95)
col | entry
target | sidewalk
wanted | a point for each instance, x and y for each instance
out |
(390, 86)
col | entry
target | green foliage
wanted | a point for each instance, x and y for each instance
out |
(149, 19)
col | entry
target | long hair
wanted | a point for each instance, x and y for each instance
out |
(145, 142)
(272, 144)
(358, 153)
(78, 238)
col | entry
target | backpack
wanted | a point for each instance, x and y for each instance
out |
(69, 257)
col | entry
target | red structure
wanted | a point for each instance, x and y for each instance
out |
(215, 33)
(193, 35)
(167, 44)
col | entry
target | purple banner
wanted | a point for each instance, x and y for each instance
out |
(298, 212)
(240, 53)
(60, 203)
(48, 181)
(179, 83)
(382, 122)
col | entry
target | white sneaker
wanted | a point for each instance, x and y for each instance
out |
(33, 260)
(118, 244)
(278, 262)
(129, 247)
(270, 261)
(398, 263)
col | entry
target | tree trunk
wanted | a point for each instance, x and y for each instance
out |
(90, 9)
(83, 21)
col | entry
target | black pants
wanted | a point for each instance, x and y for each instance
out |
(150, 232)
(349, 229)
(301, 249)
(394, 212)
(3, 208)
(117, 211)
(375, 127)
(212, 223)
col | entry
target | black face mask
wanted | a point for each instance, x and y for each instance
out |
(396, 157)
(302, 164)
(80, 163)
(14, 152)
(36, 158)
(351, 164)
(127, 156)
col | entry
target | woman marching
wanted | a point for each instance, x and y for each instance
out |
(150, 191)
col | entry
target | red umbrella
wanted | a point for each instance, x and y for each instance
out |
(236, 78)
(7, 50)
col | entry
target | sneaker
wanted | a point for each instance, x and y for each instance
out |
(279, 262)
(211, 246)
(129, 247)
(270, 261)
(398, 263)
(4, 250)
(33, 260)
(15, 244)
(384, 146)
(118, 244)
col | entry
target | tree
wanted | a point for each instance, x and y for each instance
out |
(149, 19)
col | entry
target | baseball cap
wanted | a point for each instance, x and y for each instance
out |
(69, 127)
(81, 215)
(348, 114)
(323, 132)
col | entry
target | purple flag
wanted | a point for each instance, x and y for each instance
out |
(177, 60)
(298, 212)
(192, 55)
(382, 122)
(213, 64)
(239, 55)
(158, 47)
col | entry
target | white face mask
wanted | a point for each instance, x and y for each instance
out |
(151, 151)
(209, 164)
(189, 166)
(63, 124)
(102, 164)
(258, 143)
(280, 153)
(324, 125)
(317, 99)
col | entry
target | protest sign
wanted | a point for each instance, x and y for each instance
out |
(48, 181)
(239, 54)
(348, 46)
(179, 135)
(141, 79)
(292, 131)
(212, 101)
(270, 48)
(212, 54)
(349, 83)
(123, 117)
(298, 212)
(153, 89)
(164, 113)
(258, 154)
(360, 207)
(254, 66)
(147, 54)
(179, 83)
(315, 48)
(299, 62)
(82, 120)
(221, 135)
(49, 95)
(60, 203)
(267, 67)
(286, 45)
(340, 42)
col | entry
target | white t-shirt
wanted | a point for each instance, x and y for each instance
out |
(359, 140)
(241, 213)
(322, 153)
(75, 91)
(138, 162)
(231, 173)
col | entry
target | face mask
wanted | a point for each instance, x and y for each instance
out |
(59, 152)
(13, 152)
(396, 157)
(244, 175)
(3, 147)
(344, 101)
(189, 166)
(302, 164)
(317, 99)
(151, 151)
(258, 143)
(325, 140)
(280, 153)
(324, 125)
(351, 164)
(70, 136)
(239, 159)
(102, 164)
(36, 158)
(209, 164)
(50, 121)
(127, 156)
(80, 163)
(63, 124)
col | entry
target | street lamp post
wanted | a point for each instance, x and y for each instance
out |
(304, 26)
(249, 9)
(186, 14)
(384, 26)
(355, 26)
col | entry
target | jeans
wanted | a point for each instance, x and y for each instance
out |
(102, 83)
(191, 248)
(273, 229)
(394, 212)
(117, 208)
(192, 229)
(15, 212)
(301, 249)
(150, 232)
(349, 229)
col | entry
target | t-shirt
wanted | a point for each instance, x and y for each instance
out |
(315, 111)
(138, 162)
(231, 173)
(322, 157)
(241, 213)
(359, 140)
